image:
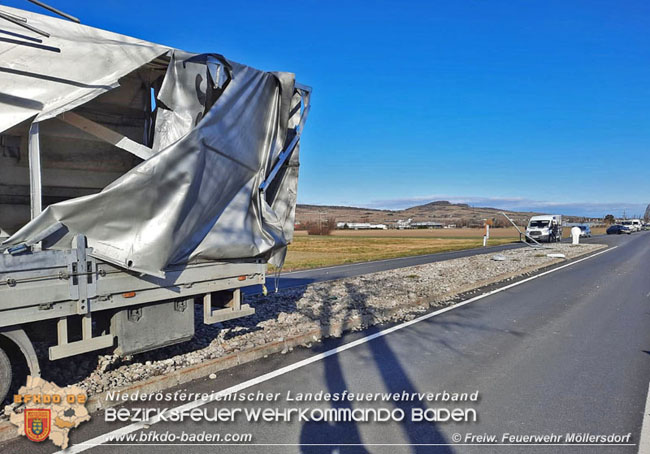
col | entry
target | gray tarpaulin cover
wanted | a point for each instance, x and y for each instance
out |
(198, 197)
(73, 66)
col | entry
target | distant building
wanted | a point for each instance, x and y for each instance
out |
(360, 226)
(426, 225)
(409, 224)
(402, 224)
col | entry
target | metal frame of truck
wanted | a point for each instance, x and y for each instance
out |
(86, 304)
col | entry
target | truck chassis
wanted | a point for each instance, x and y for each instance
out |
(96, 305)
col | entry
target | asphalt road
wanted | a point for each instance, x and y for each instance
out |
(567, 352)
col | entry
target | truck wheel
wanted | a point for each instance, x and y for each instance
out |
(5, 375)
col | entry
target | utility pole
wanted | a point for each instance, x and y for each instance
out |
(320, 221)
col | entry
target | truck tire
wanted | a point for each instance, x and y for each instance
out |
(5, 375)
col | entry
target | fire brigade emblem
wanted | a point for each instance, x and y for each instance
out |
(37, 424)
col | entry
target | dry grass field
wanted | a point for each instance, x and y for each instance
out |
(353, 246)
(426, 233)
(350, 246)
(308, 251)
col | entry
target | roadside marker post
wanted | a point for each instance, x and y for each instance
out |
(575, 234)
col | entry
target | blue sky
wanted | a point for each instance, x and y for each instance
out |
(531, 105)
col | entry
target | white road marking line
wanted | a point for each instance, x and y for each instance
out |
(102, 439)
(644, 439)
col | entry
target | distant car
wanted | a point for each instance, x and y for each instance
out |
(617, 229)
(633, 224)
(585, 231)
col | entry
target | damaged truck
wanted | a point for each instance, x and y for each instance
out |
(136, 181)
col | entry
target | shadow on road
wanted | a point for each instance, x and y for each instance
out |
(395, 380)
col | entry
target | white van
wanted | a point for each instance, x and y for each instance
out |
(633, 224)
(547, 227)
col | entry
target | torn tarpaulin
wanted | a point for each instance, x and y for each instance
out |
(74, 65)
(198, 197)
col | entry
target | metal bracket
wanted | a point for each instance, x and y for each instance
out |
(82, 275)
(87, 343)
(232, 309)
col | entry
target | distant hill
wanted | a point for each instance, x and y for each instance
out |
(441, 211)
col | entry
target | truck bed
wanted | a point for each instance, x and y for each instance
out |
(46, 284)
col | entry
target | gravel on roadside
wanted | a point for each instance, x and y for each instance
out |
(370, 299)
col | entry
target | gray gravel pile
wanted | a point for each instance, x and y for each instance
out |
(362, 301)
